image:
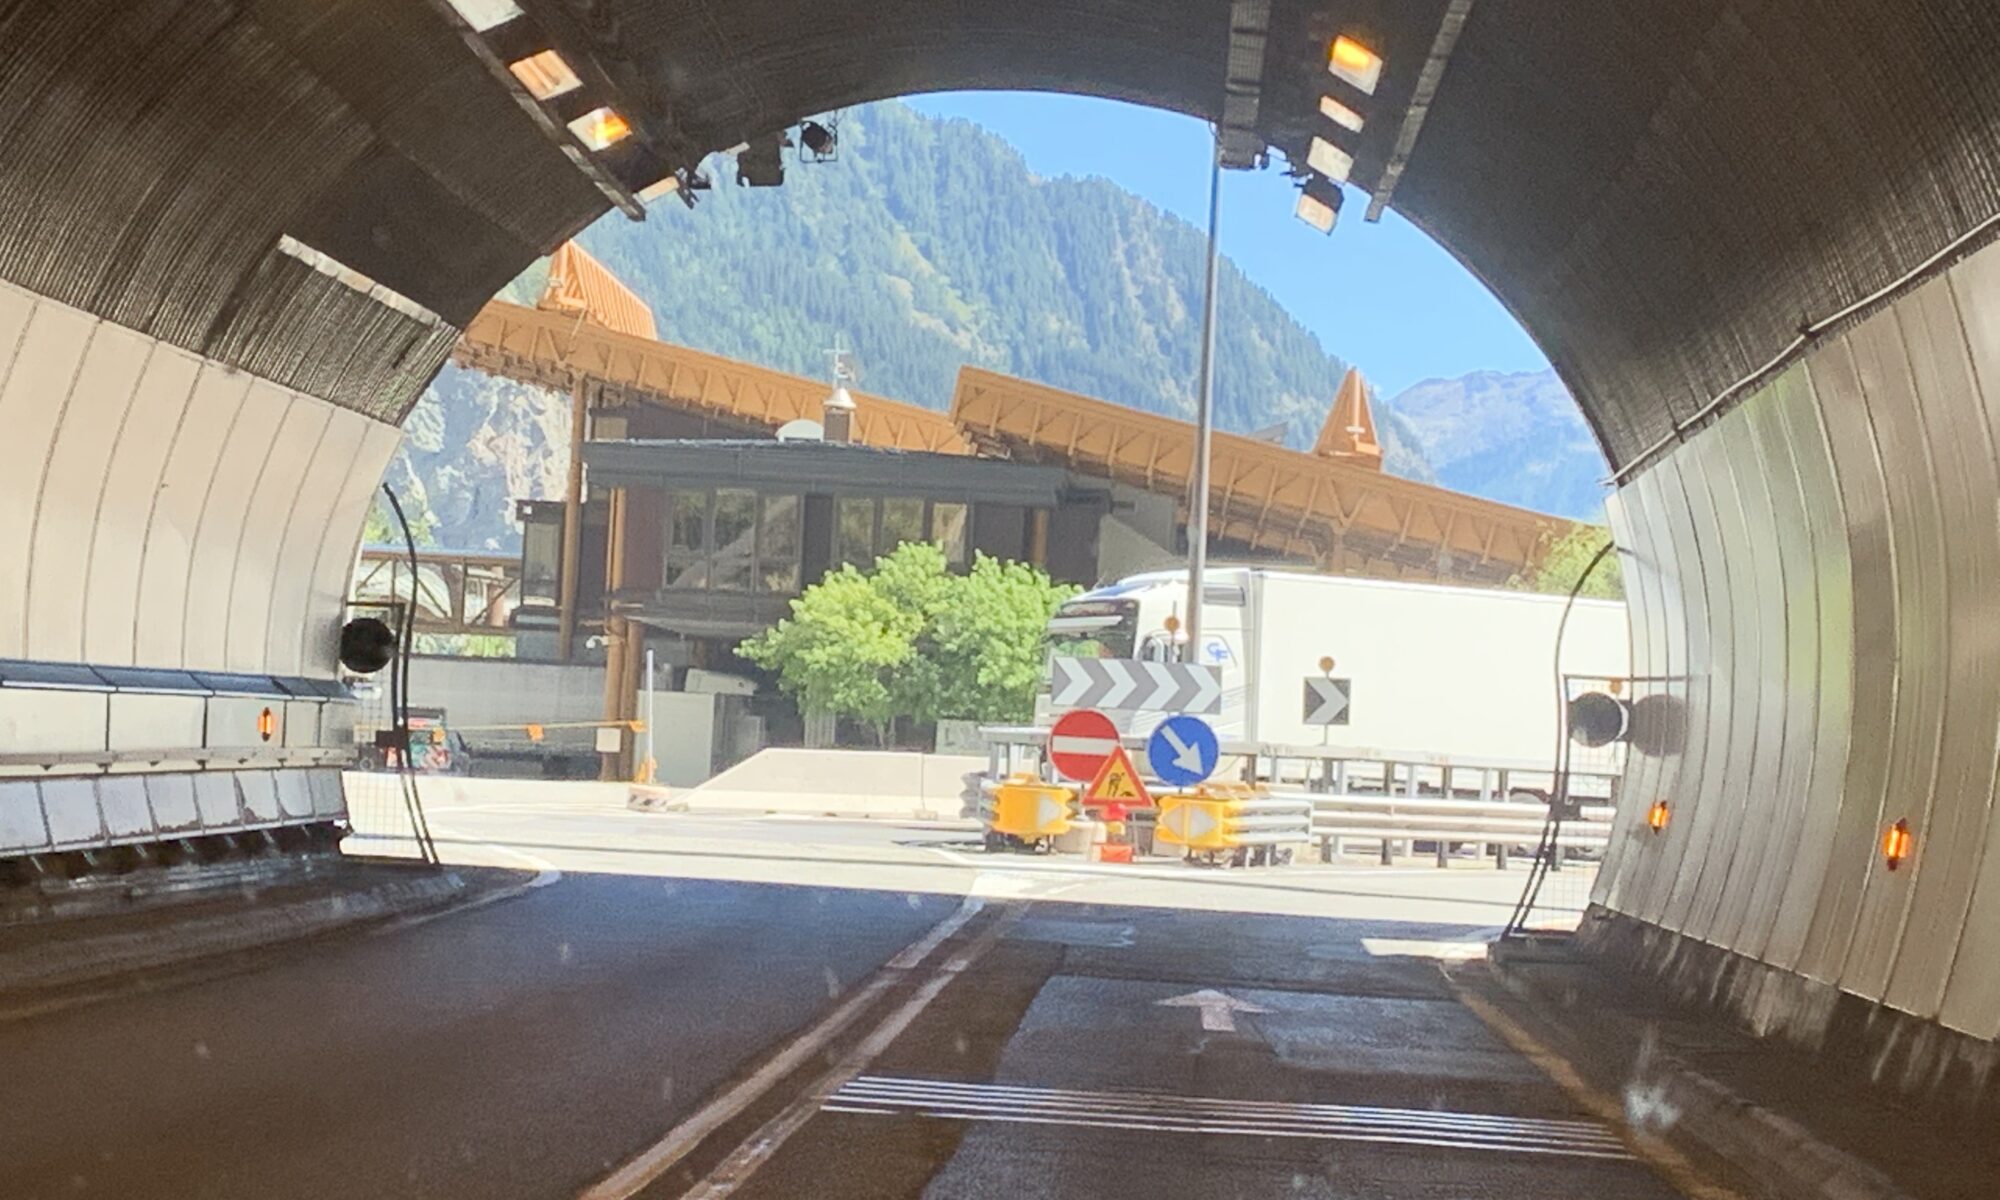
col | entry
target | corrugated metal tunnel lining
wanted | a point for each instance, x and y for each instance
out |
(200, 202)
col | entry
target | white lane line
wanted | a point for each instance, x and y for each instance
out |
(1196, 1114)
(760, 1146)
(659, 1158)
(885, 1088)
(1156, 1126)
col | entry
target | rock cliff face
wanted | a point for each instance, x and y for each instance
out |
(1517, 438)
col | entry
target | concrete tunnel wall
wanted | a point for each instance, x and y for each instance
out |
(1814, 584)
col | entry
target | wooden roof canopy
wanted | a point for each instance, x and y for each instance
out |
(1333, 506)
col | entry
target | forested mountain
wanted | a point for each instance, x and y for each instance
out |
(927, 244)
(1518, 438)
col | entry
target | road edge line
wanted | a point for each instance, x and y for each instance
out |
(645, 1168)
(763, 1144)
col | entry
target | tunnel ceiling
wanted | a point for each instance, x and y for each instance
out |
(1661, 192)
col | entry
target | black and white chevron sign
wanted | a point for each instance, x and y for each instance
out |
(1129, 683)
(1327, 700)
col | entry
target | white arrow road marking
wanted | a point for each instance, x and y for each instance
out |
(1186, 757)
(1218, 1009)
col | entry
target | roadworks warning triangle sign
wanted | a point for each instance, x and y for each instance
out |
(1117, 782)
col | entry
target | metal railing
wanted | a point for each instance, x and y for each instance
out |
(1495, 828)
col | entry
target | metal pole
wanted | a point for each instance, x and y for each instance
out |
(572, 543)
(1204, 417)
(652, 756)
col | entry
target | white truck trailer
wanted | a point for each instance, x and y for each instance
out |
(1439, 674)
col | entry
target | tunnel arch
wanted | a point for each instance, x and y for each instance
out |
(1752, 235)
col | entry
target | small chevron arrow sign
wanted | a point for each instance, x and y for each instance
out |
(1127, 683)
(1326, 700)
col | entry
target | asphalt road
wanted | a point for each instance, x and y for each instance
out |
(529, 1048)
(520, 1050)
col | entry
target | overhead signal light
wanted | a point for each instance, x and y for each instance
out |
(1341, 115)
(600, 128)
(1319, 207)
(483, 15)
(1354, 63)
(1329, 160)
(545, 75)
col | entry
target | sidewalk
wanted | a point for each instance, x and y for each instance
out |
(1787, 1123)
(154, 924)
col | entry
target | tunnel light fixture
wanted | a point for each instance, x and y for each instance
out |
(1354, 64)
(1319, 207)
(1656, 816)
(1329, 160)
(267, 725)
(545, 75)
(600, 128)
(483, 15)
(1341, 115)
(1897, 844)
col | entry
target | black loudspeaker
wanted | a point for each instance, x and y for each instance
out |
(1598, 719)
(366, 645)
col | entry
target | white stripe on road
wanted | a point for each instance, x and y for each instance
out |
(659, 1158)
(1155, 1112)
(760, 1146)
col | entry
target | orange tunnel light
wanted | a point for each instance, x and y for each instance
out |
(1656, 816)
(267, 724)
(1897, 843)
(1355, 63)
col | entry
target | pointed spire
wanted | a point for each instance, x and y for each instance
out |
(1349, 433)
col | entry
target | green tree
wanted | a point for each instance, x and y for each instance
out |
(1566, 558)
(991, 644)
(908, 639)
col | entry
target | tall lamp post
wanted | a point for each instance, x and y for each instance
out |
(1204, 417)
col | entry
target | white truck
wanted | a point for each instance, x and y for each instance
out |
(1439, 674)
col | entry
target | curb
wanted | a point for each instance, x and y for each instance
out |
(67, 963)
(1776, 1153)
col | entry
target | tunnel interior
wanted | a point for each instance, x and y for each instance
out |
(236, 240)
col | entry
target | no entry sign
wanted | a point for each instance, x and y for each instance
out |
(1079, 742)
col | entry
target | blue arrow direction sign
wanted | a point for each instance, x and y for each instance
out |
(1183, 751)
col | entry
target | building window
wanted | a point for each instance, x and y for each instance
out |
(855, 536)
(778, 544)
(732, 540)
(687, 539)
(541, 561)
(948, 530)
(902, 521)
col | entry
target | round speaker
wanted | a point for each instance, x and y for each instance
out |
(366, 645)
(1597, 719)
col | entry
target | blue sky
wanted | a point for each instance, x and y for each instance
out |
(1385, 297)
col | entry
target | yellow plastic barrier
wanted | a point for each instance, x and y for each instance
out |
(1025, 808)
(1230, 817)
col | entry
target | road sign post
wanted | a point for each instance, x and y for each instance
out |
(1128, 683)
(1327, 700)
(1183, 751)
(1117, 785)
(1080, 743)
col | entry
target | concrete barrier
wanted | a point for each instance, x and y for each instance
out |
(845, 783)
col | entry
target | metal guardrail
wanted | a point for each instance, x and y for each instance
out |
(1497, 828)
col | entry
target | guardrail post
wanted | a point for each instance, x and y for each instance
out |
(1388, 852)
(1444, 854)
(1500, 855)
